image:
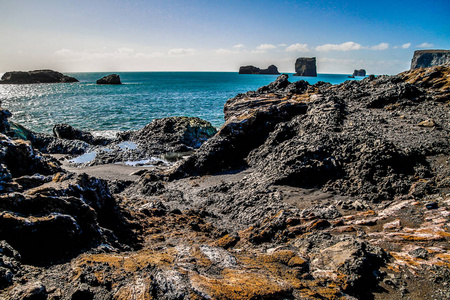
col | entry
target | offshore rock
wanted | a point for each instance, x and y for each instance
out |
(271, 70)
(360, 72)
(305, 66)
(430, 58)
(110, 79)
(37, 76)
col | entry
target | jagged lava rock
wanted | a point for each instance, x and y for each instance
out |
(305, 66)
(347, 138)
(110, 79)
(360, 72)
(37, 76)
(271, 70)
(430, 58)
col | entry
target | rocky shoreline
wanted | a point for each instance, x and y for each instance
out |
(306, 192)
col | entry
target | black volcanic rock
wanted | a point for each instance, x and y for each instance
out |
(37, 76)
(360, 72)
(271, 70)
(110, 79)
(430, 58)
(344, 138)
(305, 66)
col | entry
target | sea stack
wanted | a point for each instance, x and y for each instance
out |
(36, 76)
(306, 66)
(430, 58)
(110, 79)
(360, 72)
(271, 70)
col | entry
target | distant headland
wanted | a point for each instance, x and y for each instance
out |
(36, 76)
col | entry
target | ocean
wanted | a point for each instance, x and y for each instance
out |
(143, 96)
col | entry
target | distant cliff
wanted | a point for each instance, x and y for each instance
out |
(271, 70)
(430, 58)
(37, 76)
(305, 66)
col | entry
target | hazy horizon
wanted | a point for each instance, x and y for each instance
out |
(151, 36)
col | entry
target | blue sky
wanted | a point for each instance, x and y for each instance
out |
(75, 36)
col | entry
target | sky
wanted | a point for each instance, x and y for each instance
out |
(207, 35)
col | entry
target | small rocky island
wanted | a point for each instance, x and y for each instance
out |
(306, 192)
(271, 70)
(37, 76)
(110, 79)
(360, 72)
(306, 66)
(430, 58)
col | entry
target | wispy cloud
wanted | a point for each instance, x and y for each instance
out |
(239, 46)
(348, 46)
(298, 48)
(121, 53)
(266, 47)
(381, 46)
(406, 46)
(425, 45)
(182, 52)
(93, 54)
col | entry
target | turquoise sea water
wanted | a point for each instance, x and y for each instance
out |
(143, 97)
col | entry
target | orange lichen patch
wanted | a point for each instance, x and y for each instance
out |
(367, 213)
(443, 259)
(138, 290)
(239, 285)
(297, 261)
(129, 263)
(281, 256)
(437, 78)
(420, 237)
(304, 98)
(226, 241)
(200, 258)
(318, 225)
(344, 229)
(322, 293)
(406, 259)
(58, 177)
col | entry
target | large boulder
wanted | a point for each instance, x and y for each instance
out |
(271, 70)
(110, 79)
(305, 66)
(430, 58)
(37, 76)
(172, 134)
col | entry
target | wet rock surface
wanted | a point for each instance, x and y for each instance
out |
(306, 192)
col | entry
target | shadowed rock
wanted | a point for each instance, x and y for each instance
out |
(360, 72)
(305, 66)
(430, 58)
(110, 79)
